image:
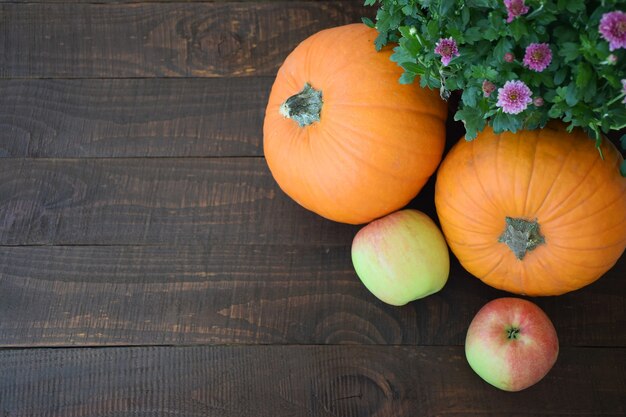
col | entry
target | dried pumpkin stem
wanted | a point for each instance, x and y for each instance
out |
(304, 107)
(521, 236)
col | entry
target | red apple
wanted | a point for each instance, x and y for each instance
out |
(511, 343)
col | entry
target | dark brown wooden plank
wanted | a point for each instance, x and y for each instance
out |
(79, 296)
(148, 201)
(157, 1)
(346, 381)
(160, 39)
(137, 117)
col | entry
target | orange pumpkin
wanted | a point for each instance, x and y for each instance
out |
(537, 212)
(342, 136)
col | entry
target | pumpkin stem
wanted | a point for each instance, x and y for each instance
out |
(304, 107)
(521, 236)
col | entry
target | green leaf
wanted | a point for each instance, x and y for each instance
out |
(590, 89)
(583, 75)
(453, 84)
(503, 46)
(368, 22)
(470, 96)
(409, 10)
(472, 119)
(433, 29)
(535, 119)
(622, 168)
(518, 29)
(411, 46)
(370, 2)
(569, 51)
(618, 117)
(606, 124)
(473, 35)
(555, 112)
(405, 31)
(560, 75)
(544, 19)
(380, 41)
(455, 33)
(445, 6)
(480, 3)
(407, 78)
(465, 16)
(623, 142)
(503, 122)
(565, 34)
(575, 6)
(483, 24)
(412, 67)
(494, 27)
(571, 95)
(481, 73)
(547, 79)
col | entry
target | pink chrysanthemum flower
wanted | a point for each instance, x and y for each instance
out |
(515, 8)
(538, 56)
(613, 29)
(514, 97)
(446, 47)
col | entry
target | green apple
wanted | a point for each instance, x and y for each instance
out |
(401, 257)
(511, 343)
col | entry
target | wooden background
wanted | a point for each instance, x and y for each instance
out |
(150, 266)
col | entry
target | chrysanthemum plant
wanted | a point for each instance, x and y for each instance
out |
(518, 63)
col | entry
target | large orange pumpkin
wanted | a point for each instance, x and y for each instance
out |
(342, 136)
(537, 212)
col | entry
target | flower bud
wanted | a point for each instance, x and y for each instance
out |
(538, 101)
(509, 57)
(488, 88)
(611, 59)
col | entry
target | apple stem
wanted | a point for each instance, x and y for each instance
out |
(513, 333)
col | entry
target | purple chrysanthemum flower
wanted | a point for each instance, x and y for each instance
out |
(613, 29)
(515, 8)
(538, 56)
(514, 97)
(446, 47)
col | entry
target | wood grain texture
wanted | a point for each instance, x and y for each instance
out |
(133, 118)
(150, 201)
(158, 1)
(79, 296)
(179, 117)
(160, 39)
(283, 381)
